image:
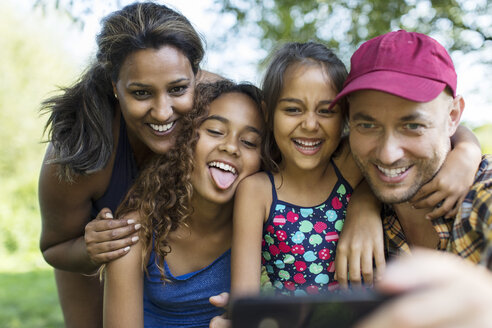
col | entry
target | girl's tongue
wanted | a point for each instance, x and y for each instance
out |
(223, 179)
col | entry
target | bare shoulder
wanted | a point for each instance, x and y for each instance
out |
(133, 259)
(254, 196)
(93, 184)
(258, 185)
(123, 290)
(82, 188)
(65, 206)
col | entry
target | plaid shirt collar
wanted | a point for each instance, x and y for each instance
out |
(395, 239)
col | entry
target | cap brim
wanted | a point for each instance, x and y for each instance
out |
(410, 87)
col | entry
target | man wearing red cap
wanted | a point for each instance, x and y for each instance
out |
(403, 109)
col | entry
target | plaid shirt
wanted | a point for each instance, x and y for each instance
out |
(468, 235)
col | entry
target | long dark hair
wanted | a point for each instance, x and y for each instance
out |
(309, 53)
(162, 193)
(80, 122)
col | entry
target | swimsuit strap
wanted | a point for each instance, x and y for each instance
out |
(274, 192)
(337, 172)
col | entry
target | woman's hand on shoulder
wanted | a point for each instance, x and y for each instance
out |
(107, 239)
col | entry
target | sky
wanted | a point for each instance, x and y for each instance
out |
(206, 20)
(238, 61)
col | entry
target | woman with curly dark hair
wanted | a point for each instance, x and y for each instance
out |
(102, 130)
(184, 202)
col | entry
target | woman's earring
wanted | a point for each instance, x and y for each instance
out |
(116, 96)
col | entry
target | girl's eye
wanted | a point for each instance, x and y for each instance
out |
(249, 144)
(214, 132)
(326, 111)
(292, 110)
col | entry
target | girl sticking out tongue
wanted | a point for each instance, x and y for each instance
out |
(184, 202)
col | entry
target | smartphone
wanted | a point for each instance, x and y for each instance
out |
(327, 311)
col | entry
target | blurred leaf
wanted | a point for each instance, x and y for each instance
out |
(484, 135)
(345, 24)
(32, 62)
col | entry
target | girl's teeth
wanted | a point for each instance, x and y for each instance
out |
(307, 143)
(161, 127)
(223, 166)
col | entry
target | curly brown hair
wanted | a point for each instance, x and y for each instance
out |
(162, 192)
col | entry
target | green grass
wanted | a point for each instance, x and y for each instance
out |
(29, 299)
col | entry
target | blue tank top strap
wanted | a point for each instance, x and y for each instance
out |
(188, 275)
(181, 277)
(274, 192)
(337, 172)
(129, 157)
(123, 174)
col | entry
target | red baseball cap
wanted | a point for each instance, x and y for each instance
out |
(406, 64)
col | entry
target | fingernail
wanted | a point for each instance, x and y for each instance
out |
(138, 226)
(126, 249)
(131, 221)
(427, 217)
(134, 239)
(108, 215)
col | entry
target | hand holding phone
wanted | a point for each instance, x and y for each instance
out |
(330, 310)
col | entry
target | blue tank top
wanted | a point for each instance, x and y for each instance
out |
(124, 172)
(299, 243)
(183, 301)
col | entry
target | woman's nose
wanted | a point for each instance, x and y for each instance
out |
(162, 109)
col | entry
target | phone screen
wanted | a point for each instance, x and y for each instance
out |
(333, 310)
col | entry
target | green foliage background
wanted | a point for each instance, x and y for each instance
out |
(32, 61)
(484, 135)
(344, 24)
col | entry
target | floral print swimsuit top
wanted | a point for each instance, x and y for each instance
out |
(299, 243)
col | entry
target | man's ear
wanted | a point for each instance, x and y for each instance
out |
(455, 112)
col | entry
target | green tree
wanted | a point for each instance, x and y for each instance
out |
(484, 134)
(343, 24)
(460, 24)
(463, 26)
(32, 62)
